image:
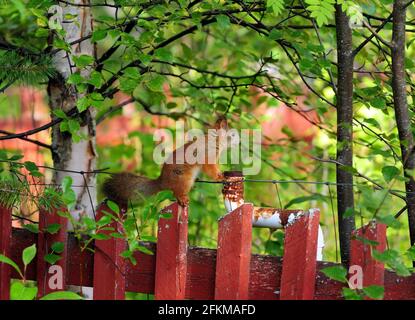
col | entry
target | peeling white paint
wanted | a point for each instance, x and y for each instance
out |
(232, 205)
(293, 217)
(320, 244)
(272, 221)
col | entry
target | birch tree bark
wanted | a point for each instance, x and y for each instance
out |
(68, 154)
(344, 178)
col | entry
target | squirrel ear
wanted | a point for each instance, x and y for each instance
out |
(221, 123)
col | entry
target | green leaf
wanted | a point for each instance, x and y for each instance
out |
(62, 295)
(31, 166)
(128, 254)
(411, 253)
(276, 5)
(306, 64)
(275, 34)
(81, 104)
(60, 44)
(166, 215)
(41, 33)
(53, 228)
(73, 126)
(156, 84)
(392, 258)
(144, 250)
(373, 122)
(10, 262)
(69, 196)
(74, 78)
(127, 84)
(52, 258)
(16, 157)
(34, 228)
(374, 292)
(63, 127)
(337, 273)
(149, 238)
(83, 60)
(223, 21)
(389, 220)
(60, 113)
(66, 183)
(164, 195)
(113, 207)
(350, 294)
(98, 35)
(164, 54)
(187, 52)
(104, 221)
(389, 173)
(117, 235)
(100, 236)
(95, 79)
(366, 241)
(58, 247)
(28, 254)
(145, 59)
(132, 73)
(321, 10)
(379, 103)
(18, 291)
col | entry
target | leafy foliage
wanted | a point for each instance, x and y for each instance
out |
(337, 273)
(194, 60)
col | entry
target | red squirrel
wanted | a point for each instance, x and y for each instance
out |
(176, 176)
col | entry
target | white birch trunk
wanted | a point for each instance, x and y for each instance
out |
(68, 155)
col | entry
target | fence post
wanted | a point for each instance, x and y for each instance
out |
(5, 246)
(109, 266)
(171, 258)
(234, 254)
(51, 277)
(299, 261)
(373, 271)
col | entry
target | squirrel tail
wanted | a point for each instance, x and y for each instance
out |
(122, 187)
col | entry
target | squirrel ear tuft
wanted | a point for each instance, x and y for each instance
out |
(221, 123)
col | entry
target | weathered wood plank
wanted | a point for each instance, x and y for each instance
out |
(109, 266)
(300, 254)
(171, 262)
(51, 278)
(201, 264)
(5, 249)
(234, 254)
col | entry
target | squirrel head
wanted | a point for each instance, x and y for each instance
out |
(221, 123)
(226, 137)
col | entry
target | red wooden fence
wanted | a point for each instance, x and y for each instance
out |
(177, 271)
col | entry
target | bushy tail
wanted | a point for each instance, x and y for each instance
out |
(122, 187)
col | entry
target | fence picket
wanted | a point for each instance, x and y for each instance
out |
(51, 278)
(361, 253)
(299, 261)
(234, 254)
(171, 260)
(109, 266)
(5, 249)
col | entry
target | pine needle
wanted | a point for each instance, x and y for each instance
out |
(25, 69)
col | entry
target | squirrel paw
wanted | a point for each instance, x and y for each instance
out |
(183, 201)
